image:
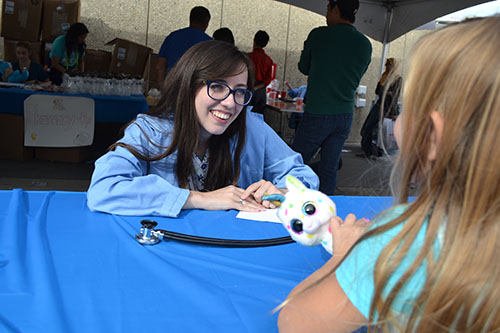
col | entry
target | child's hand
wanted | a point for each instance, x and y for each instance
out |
(346, 233)
(288, 85)
(258, 190)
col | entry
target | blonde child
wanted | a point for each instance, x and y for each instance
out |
(431, 264)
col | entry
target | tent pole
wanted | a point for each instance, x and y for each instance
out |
(388, 19)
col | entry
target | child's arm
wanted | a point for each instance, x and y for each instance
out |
(319, 304)
(322, 308)
(56, 65)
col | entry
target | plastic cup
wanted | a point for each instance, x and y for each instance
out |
(299, 102)
(282, 94)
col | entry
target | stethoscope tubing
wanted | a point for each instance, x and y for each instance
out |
(235, 243)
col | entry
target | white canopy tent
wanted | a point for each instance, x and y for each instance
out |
(386, 20)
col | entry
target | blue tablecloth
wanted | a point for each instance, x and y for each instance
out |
(108, 109)
(66, 269)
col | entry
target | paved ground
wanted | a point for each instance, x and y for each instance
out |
(358, 176)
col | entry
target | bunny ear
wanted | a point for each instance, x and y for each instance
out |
(293, 184)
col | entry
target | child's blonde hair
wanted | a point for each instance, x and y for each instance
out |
(456, 72)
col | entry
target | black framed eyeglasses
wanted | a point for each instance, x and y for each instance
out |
(220, 91)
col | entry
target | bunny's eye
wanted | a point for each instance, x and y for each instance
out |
(297, 226)
(308, 208)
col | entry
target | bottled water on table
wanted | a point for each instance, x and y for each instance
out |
(102, 84)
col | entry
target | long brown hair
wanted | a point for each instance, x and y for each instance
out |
(454, 71)
(210, 60)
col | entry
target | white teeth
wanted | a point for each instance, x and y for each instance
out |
(221, 115)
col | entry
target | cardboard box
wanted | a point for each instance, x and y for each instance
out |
(21, 19)
(97, 61)
(152, 77)
(9, 51)
(128, 57)
(57, 17)
(151, 73)
(12, 138)
(68, 155)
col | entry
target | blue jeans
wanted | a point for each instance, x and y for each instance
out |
(328, 132)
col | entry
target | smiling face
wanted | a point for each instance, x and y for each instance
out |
(22, 54)
(216, 116)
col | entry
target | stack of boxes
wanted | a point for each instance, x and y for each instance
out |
(36, 22)
(152, 76)
(39, 22)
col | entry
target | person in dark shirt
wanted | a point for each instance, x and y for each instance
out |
(36, 73)
(179, 41)
(334, 57)
(224, 34)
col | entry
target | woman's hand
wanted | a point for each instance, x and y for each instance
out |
(229, 197)
(346, 233)
(258, 190)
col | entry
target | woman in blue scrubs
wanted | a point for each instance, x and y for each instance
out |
(199, 148)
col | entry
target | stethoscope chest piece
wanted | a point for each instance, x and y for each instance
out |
(147, 235)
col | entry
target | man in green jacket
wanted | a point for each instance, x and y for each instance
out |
(335, 58)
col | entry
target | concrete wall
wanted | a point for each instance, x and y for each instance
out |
(149, 21)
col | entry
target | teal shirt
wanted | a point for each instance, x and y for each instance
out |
(59, 50)
(335, 58)
(355, 274)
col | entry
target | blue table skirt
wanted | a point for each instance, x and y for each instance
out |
(108, 109)
(66, 269)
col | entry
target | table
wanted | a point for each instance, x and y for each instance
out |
(64, 268)
(283, 108)
(108, 109)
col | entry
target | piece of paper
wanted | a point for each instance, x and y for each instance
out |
(58, 121)
(269, 215)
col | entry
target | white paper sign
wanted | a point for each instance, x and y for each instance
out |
(58, 121)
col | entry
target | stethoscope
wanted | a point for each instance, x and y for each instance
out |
(150, 236)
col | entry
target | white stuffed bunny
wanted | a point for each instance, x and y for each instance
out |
(305, 214)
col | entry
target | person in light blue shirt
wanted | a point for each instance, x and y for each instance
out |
(200, 148)
(296, 92)
(295, 117)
